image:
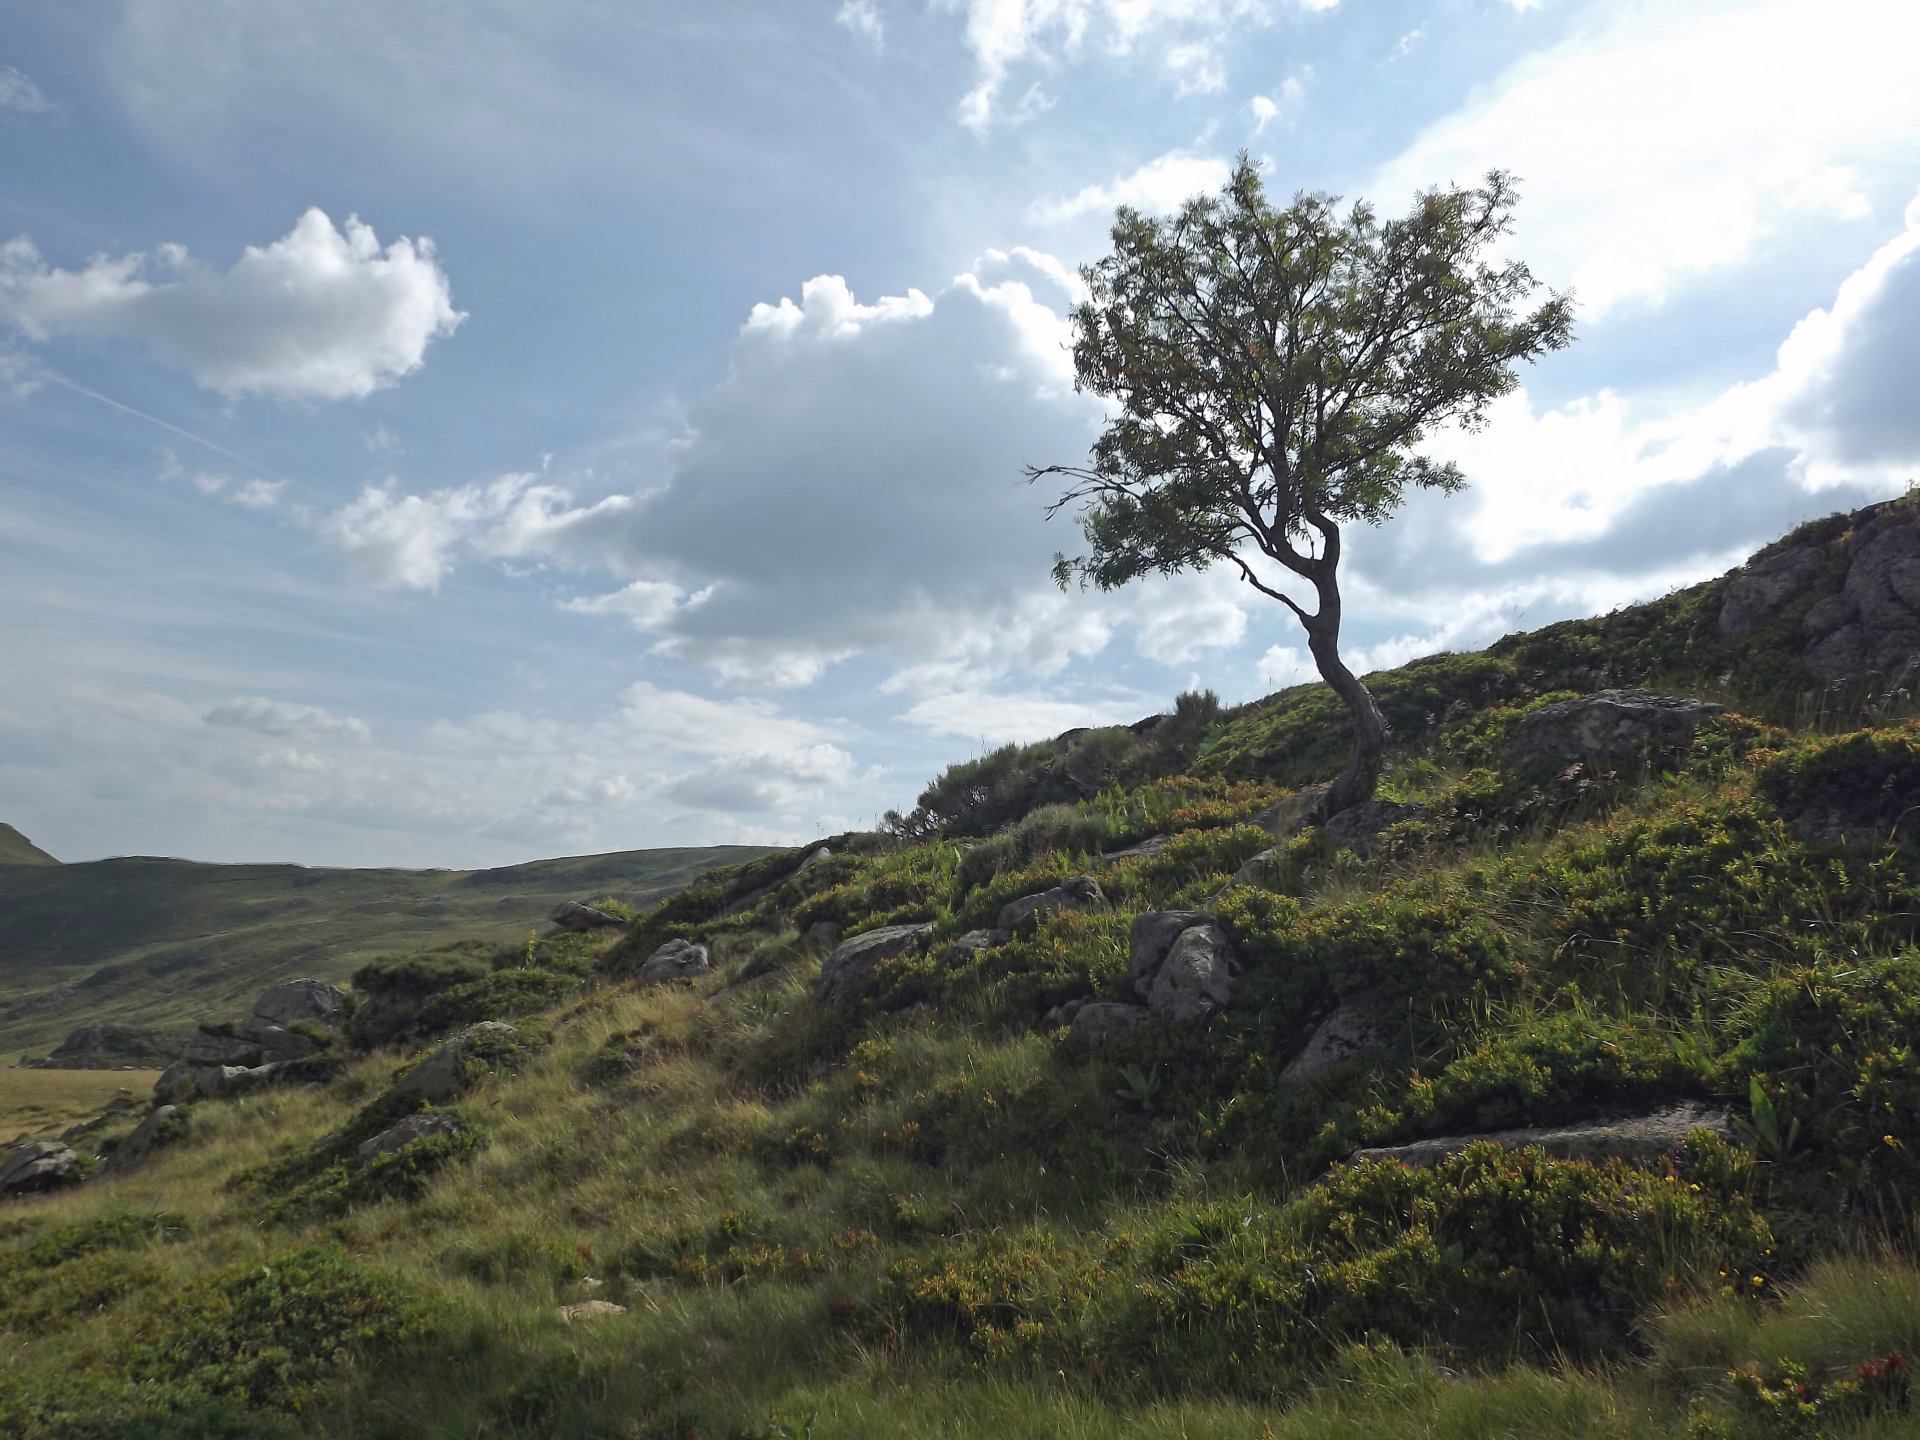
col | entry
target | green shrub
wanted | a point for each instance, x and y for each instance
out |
(276, 1335)
(502, 995)
(1868, 782)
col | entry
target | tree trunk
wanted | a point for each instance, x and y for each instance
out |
(1370, 729)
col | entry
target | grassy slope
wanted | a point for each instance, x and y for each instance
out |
(934, 1215)
(152, 941)
(45, 1102)
(16, 849)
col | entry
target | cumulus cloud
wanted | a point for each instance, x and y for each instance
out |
(323, 313)
(1160, 186)
(1656, 142)
(1005, 36)
(286, 719)
(247, 494)
(18, 92)
(1284, 101)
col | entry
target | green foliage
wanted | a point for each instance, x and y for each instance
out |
(67, 1272)
(275, 1335)
(1070, 955)
(1867, 782)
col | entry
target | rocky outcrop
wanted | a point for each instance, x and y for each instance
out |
(963, 949)
(853, 959)
(1349, 1032)
(1147, 849)
(1763, 588)
(1083, 893)
(1359, 827)
(582, 919)
(38, 1165)
(1639, 1138)
(406, 1132)
(1605, 729)
(452, 1066)
(675, 960)
(1872, 627)
(1149, 939)
(1096, 1023)
(109, 1046)
(190, 1080)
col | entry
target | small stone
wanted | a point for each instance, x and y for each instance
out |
(590, 1310)
(675, 960)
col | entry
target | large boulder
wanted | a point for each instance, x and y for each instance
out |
(406, 1132)
(1764, 587)
(581, 919)
(1608, 728)
(853, 959)
(162, 1126)
(108, 1046)
(1149, 939)
(675, 960)
(38, 1165)
(1359, 827)
(190, 1080)
(1637, 1139)
(1096, 1023)
(1196, 978)
(299, 1002)
(222, 1045)
(1872, 627)
(454, 1064)
(1019, 917)
(1349, 1032)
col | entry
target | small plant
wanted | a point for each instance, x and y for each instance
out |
(1140, 1087)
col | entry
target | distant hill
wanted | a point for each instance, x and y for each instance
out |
(16, 849)
(141, 940)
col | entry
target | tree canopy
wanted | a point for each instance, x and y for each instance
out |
(1275, 371)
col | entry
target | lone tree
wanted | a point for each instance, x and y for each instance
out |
(1274, 371)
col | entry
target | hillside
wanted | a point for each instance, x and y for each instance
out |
(1570, 1091)
(146, 941)
(16, 849)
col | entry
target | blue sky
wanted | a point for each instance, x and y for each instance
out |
(451, 434)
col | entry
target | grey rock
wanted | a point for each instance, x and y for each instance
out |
(1096, 1023)
(1639, 1138)
(190, 1080)
(1359, 828)
(399, 1136)
(222, 1047)
(1080, 893)
(1606, 728)
(580, 919)
(1348, 1032)
(818, 857)
(1872, 627)
(853, 959)
(1758, 592)
(675, 960)
(108, 1046)
(1145, 850)
(822, 932)
(590, 1310)
(445, 1073)
(38, 1165)
(161, 1127)
(1287, 817)
(277, 1043)
(1196, 978)
(299, 1002)
(1149, 939)
(959, 951)
(1262, 869)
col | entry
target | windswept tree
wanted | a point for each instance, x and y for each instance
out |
(1275, 371)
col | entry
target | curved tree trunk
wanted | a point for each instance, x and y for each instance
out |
(1370, 729)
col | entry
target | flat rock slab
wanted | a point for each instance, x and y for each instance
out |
(1639, 1138)
(590, 1310)
(1607, 727)
(581, 919)
(38, 1165)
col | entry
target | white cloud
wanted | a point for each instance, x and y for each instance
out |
(1161, 185)
(1006, 35)
(996, 718)
(18, 92)
(863, 18)
(1285, 100)
(286, 719)
(247, 494)
(323, 313)
(1659, 142)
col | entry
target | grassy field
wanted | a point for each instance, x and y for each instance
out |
(45, 1102)
(153, 941)
(16, 849)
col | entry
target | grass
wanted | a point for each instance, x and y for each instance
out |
(173, 941)
(41, 1103)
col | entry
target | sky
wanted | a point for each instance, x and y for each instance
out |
(451, 434)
